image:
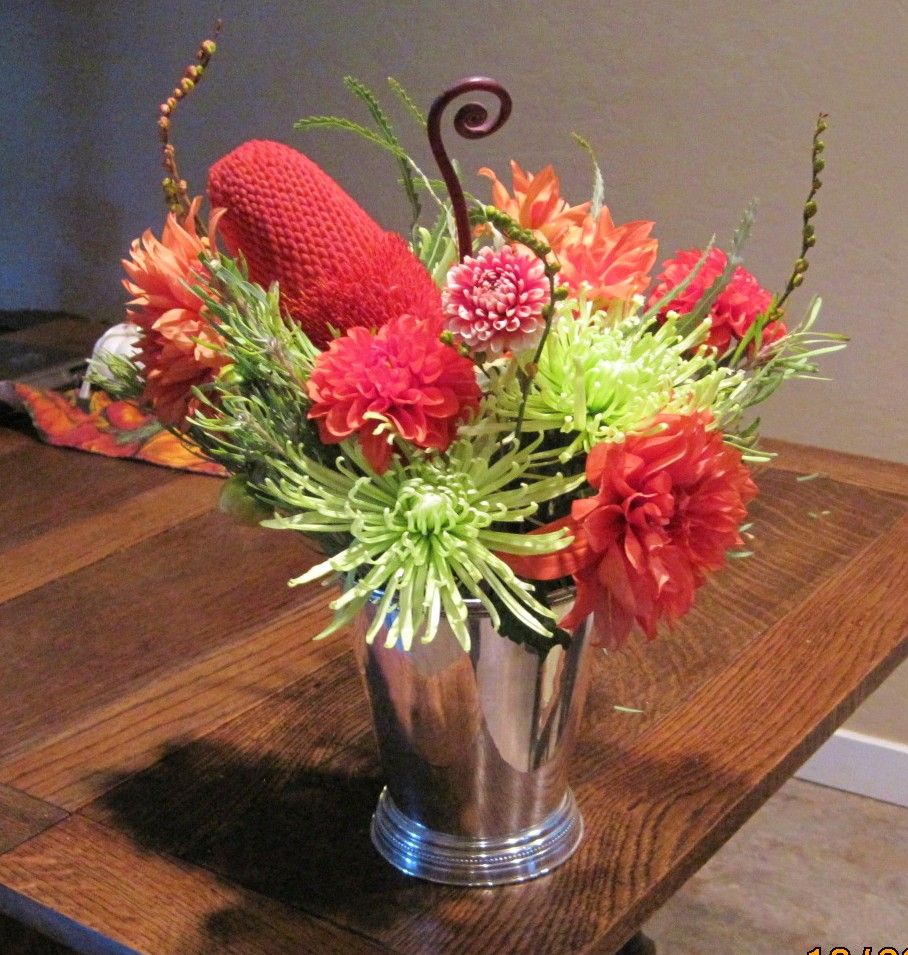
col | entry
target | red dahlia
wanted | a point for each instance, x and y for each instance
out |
(733, 312)
(667, 508)
(399, 380)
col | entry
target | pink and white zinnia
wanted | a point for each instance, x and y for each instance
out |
(494, 301)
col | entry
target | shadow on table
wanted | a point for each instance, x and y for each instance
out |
(296, 834)
(300, 834)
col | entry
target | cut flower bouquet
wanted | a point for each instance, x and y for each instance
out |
(513, 398)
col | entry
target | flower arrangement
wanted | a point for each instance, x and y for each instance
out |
(512, 399)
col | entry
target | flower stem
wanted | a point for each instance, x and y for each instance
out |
(176, 190)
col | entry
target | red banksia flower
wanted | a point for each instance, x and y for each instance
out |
(667, 508)
(399, 380)
(733, 312)
(494, 301)
(178, 350)
(294, 225)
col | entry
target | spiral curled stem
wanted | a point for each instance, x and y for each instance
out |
(472, 121)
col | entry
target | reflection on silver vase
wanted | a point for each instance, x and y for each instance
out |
(474, 747)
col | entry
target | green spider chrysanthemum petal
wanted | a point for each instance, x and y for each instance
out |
(424, 535)
(602, 376)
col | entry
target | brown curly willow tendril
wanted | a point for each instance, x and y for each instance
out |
(808, 237)
(471, 121)
(176, 190)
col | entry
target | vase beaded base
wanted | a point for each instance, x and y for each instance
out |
(425, 853)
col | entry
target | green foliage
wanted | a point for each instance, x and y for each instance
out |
(408, 101)
(387, 132)
(598, 196)
(258, 403)
(382, 136)
(759, 376)
(808, 236)
(602, 376)
(116, 375)
(735, 258)
(436, 249)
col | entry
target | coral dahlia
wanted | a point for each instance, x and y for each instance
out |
(178, 348)
(494, 301)
(732, 313)
(611, 262)
(667, 508)
(399, 380)
(537, 203)
(294, 225)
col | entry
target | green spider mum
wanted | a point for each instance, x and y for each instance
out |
(600, 379)
(424, 534)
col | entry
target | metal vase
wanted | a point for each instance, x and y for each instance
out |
(475, 747)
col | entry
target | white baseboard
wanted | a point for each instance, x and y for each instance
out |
(866, 765)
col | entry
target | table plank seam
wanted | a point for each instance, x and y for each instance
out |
(116, 711)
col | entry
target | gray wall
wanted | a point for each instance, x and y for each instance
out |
(694, 107)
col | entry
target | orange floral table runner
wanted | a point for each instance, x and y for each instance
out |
(116, 429)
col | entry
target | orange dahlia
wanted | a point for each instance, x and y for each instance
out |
(667, 508)
(611, 262)
(537, 203)
(294, 225)
(178, 349)
(399, 380)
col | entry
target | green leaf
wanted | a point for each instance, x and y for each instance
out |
(399, 91)
(387, 132)
(598, 196)
(348, 125)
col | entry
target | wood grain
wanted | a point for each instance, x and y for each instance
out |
(316, 778)
(278, 801)
(222, 766)
(108, 890)
(84, 542)
(852, 468)
(91, 637)
(44, 489)
(13, 442)
(22, 816)
(124, 736)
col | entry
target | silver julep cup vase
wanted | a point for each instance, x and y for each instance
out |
(474, 746)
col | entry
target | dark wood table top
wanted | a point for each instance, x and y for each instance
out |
(183, 772)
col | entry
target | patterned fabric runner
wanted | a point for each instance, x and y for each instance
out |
(117, 429)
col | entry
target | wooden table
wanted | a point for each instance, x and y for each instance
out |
(183, 772)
